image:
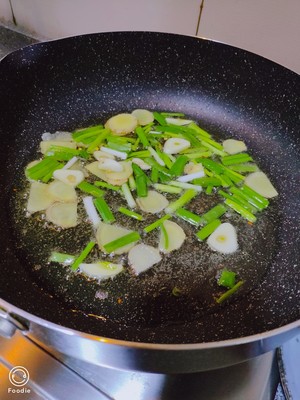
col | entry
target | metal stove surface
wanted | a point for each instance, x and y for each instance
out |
(30, 373)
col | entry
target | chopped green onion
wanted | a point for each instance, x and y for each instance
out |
(159, 118)
(119, 146)
(90, 189)
(157, 223)
(213, 213)
(156, 156)
(178, 166)
(122, 241)
(172, 114)
(99, 140)
(154, 175)
(84, 135)
(83, 255)
(186, 185)
(209, 189)
(176, 291)
(104, 210)
(140, 181)
(195, 156)
(236, 159)
(61, 258)
(243, 167)
(229, 292)
(107, 186)
(201, 132)
(227, 279)
(43, 169)
(208, 229)
(240, 210)
(128, 196)
(184, 199)
(188, 216)
(165, 236)
(212, 166)
(240, 192)
(253, 194)
(167, 188)
(140, 154)
(130, 213)
(132, 183)
(207, 181)
(142, 136)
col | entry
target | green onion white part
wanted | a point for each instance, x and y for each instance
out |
(116, 153)
(91, 211)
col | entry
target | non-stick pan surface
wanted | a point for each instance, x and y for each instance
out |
(78, 81)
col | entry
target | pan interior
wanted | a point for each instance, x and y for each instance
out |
(146, 300)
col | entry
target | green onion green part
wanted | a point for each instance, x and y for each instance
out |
(229, 292)
(61, 258)
(83, 255)
(121, 242)
(165, 236)
(157, 223)
(208, 229)
(213, 213)
(90, 189)
(130, 213)
(227, 279)
(104, 210)
(179, 203)
(188, 216)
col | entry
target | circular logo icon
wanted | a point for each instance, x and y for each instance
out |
(18, 376)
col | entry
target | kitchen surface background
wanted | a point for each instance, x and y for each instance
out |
(270, 28)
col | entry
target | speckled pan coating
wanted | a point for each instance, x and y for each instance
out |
(68, 83)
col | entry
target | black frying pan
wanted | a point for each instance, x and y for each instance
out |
(79, 81)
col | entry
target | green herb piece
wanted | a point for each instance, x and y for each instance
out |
(165, 236)
(209, 189)
(167, 188)
(142, 136)
(121, 242)
(211, 165)
(188, 216)
(195, 156)
(176, 291)
(43, 169)
(207, 181)
(208, 229)
(229, 292)
(104, 210)
(131, 183)
(240, 210)
(178, 166)
(159, 118)
(200, 132)
(157, 223)
(90, 189)
(236, 159)
(140, 154)
(179, 203)
(128, 196)
(98, 141)
(234, 176)
(140, 181)
(61, 258)
(227, 279)
(154, 175)
(86, 135)
(119, 145)
(83, 255)
(253, 194)
(213, 213)
(244, 167)
(107, 186)
(240, 192)
(131, 214)
(165, 158)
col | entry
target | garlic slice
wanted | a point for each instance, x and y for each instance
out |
(224, 239)
(107, 233)
(153, 203)
(122, 124)
(142, 257)
(99, 154)
(176, 237)
(141, 163)
(232, 146)
(106, 164)
(62, 192)
(62, 214)
(144, 117)
(114, 178)
(68, 176)
(101, 270)
(176, 145)
(191, 168)
(259, 182)
(39, 198)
